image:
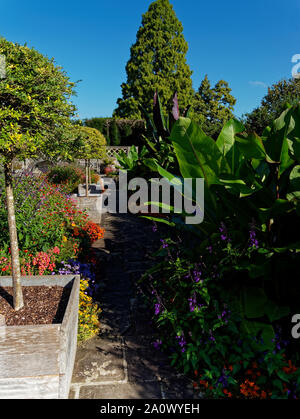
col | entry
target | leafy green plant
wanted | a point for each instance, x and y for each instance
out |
(158, 132)
(202, 330)
(248, 180)
(247, 251)
(133, 161)
(35, 119)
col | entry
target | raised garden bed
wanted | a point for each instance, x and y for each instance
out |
(38, 345)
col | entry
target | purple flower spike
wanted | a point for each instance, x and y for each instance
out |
(224, 233)
(157, 308)
(157, 344)
(253, 242)
(164, 244)
(181, 342)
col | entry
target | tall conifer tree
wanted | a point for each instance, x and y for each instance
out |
(157, 62)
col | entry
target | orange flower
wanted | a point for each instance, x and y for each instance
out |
(228, 394)
(76, 231)
(249, 389)
(290, 369)
(203, 383)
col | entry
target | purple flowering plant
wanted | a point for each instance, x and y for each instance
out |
(230, 282)
(198, 324)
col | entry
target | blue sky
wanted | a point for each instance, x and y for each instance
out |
(248, 43)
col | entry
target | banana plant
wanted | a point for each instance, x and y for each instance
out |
(158, 127)
(250, 177)
(133, 161)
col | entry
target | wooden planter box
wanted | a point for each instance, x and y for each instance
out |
(36, 362)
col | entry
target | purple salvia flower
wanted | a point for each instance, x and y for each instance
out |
(181, 342)
(192, 302)
(157, 344)
(224, 233)
(253, 242)
(154, 228)
(157, 308)
(164, 244)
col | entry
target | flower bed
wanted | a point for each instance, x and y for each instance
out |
(202, 328)
(225, 292)
(54, 238)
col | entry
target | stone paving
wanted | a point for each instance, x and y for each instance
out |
(121, 363)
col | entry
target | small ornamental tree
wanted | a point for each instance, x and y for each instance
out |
(93, 147)
(35, 120)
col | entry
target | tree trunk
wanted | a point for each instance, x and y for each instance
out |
(14, 248)
(86, 178)
(90, 174)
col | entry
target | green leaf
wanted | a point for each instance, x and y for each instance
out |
(292, 246)
(239, 187)
(254, 301)
(198, 155)
(294, 147)
(294, 187)
(158, 117)
(226, 143)
(251, 146)
(275, 312)
(280, 206)
(151, 163)
(159, 220)
(276, 142)
(266, 331)
(283, 376)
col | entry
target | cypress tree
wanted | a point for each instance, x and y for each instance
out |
(115, 136)
(157, 61)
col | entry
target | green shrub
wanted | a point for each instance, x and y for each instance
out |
(70, 176)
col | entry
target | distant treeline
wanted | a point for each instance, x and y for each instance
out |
(123, 132)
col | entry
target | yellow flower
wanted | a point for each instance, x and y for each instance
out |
(64, 239)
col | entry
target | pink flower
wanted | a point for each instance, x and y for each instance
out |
(56, 250)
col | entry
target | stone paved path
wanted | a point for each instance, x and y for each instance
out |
(121, 363)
